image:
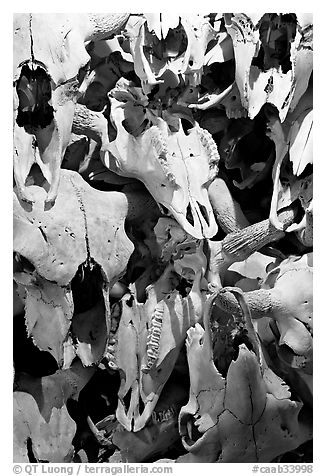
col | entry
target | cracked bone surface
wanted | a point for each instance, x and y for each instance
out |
(163, 234)
(49, 50)
(218, 426)
(61, 243)
(148, 342)
(176, 167)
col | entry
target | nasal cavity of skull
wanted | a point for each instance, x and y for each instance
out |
(34, 93)
(36, 177)
(86, 287)
(204, 213)
(127, 399)
(276, 32)
(189, 215)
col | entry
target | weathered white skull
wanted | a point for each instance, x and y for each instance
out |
(148, 343)
(41, 418)
(285, 297)
(273, 55)
(176, 168)
(292, 180)
(291, 284)
(57, 244)
(49, 50)
(163, 41)
(244, 416)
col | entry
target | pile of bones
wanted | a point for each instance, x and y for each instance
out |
(162, 237)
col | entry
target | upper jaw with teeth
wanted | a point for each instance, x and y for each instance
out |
(149, 339)
(176, 167)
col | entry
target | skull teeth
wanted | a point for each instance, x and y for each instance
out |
(153, 338)
(164, 415)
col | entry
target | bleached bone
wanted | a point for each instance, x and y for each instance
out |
(41, 416)
(161, 431)
(175, 167)
(229, 99)
(149, 340)
(255, 34)
(49, 50)
(286, 297)
(293, 137)
(216, 425)
(185, 40)
(92, 124)
(227, 211)
(239, 245)
(64, 239)
(173, 242)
